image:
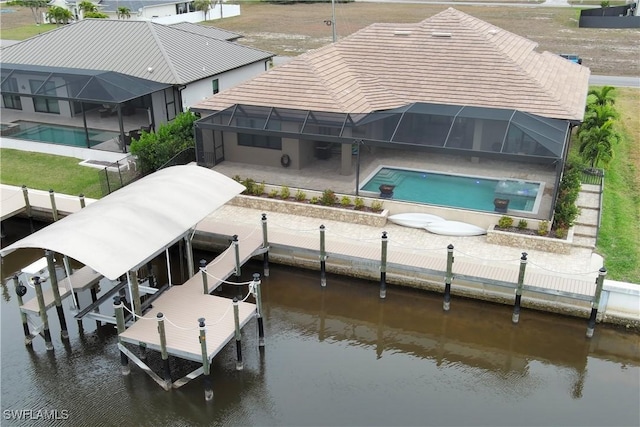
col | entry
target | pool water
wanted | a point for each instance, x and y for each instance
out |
(457, 191)
(64, 135)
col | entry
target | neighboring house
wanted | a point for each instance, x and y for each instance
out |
(451, 84)
(168, 12)
(125, 66)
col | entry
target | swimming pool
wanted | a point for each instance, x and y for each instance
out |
(457, 191)
(57, 134)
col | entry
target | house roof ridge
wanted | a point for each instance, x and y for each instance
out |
(160, 45)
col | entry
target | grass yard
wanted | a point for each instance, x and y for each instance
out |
(48, 172)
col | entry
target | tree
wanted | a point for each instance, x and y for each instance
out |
(203, 5)
(34, 5)
(87, 7)
(59, 14)
(597, 142)
(604, 96)
(597, 115)
(123, 12)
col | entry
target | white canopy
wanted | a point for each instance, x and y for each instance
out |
(131, 226)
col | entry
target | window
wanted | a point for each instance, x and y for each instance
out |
(170, 102)
(260, 141)
(42, 104)
(215, 86)
(12, 101)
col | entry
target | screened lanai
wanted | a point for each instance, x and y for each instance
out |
(480, 132)
(80, 89)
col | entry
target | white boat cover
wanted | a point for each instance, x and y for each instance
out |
(131, 226)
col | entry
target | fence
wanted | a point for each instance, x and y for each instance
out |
(125, 171)
(592, 176)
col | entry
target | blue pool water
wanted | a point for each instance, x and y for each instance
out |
(64, 135)
(457, 191)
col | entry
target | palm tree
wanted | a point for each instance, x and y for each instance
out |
(603, 96)
(59, 14)
(87, 7)
(203, 5)
(597, 115)
(123, 12)
(596, 144)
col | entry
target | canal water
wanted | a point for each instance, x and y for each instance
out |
(336, 356)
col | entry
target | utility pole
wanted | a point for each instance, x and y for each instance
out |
(333, 20)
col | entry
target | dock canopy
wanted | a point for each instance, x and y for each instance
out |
(131, 226)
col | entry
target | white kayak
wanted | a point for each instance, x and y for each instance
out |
(454, 228)
(414, 220)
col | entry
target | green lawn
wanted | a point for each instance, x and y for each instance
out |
(48, 172)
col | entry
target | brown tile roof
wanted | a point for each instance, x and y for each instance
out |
(450, 58)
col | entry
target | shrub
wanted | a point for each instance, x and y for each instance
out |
(249, 185)
(155, 149)
(522, 224)
(273, 194)
(376, 206)
(359, 203)
(314, 200)
(285, 193)
(505, 222)
(301, 195)
(328, 198)
(561, 233)
(543, 228)
(258, 189)
(566, 210)
(345, 201)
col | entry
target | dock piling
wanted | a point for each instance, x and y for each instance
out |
(208, 388)
(163, 352)
(189, 253)
(256, 285)
(21, 290)
(54, 209)
(383, 266)
(203, 270)
(448, 278)
(43, 313)
(323, 259)
(265, 244)
(596, 302)
(27, 206)
(118, 307)
(238, 334)
(94, 299)
(236, 248)
(53, 277)
(515, 318)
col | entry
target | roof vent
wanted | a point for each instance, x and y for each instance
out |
(440, 34)
(402, 33)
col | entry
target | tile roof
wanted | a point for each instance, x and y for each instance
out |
(133, 47)
(450, 58)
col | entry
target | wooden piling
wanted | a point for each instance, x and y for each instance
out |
(94, 299)
(238, 334)
(43, 313)
(256, 284)
(265, 244)
(166, 371)
(515, 318)
(203, 271)
(53, 277)
(383, 266)
(596, 302)
(54, 209)
(448, 278)
(323, 259)
(135, 294)
(208, 388)
(27, 206)
(21, 290)
(118, 307)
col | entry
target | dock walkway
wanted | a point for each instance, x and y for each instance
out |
(182, 306)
